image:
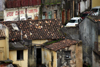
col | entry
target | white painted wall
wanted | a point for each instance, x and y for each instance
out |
(84, 5)
(11, 14)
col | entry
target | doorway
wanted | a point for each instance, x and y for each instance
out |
(38, 57)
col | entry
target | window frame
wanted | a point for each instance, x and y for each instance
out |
(21, 57)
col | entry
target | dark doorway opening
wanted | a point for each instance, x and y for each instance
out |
(39, 59)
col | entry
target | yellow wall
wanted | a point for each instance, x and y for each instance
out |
(95, 3)
(38, 42)
(79, 55)
(4, 46)
(22, 63)
(47, 57)
(3, 50)
(55, 59)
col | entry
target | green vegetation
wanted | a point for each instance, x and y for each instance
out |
(53, 42)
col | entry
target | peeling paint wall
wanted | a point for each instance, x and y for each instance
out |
(57, 59)
(76, 57)
(31, 57)
(49, 58)
(32, 52)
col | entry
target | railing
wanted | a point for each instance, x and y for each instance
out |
(21, 3)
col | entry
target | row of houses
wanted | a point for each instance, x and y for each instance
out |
(35, 43)
(43, 9)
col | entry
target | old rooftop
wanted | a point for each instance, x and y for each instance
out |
(34, 29)
(61, 44)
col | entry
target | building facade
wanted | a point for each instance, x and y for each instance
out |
(21, 10)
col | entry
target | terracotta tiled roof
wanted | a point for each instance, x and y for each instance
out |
(2, 33)
(61, 44)
(35, 29)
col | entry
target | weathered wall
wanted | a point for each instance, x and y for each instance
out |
(31, 57)
(76, 56)
(95, 3)
(88, 33)
(52, 8)
(22, 63)
(49, 58)
(71, 32)
(96, 60)
(32, 52)
(4, 46)
(3, 50)
(67, 62)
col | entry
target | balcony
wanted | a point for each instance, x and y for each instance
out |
(21, 3)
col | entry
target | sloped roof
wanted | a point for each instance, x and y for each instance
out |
(61, 44)
(35, 29)
(16, 46)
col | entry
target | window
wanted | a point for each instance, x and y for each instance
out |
(50, 15)
(67, 54)
(55, 14)
(20, 55)
(44, 15)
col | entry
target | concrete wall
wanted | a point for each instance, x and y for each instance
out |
(22, 63)
(95, 3)
(71, 32)
(88, 33)
(49, 58)
(96, 60)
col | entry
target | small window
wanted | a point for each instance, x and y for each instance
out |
(67, 54)
(20, 55)
(55, 14)
(44, 15)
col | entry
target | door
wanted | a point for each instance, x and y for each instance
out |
(63, 17)
(38, 56)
